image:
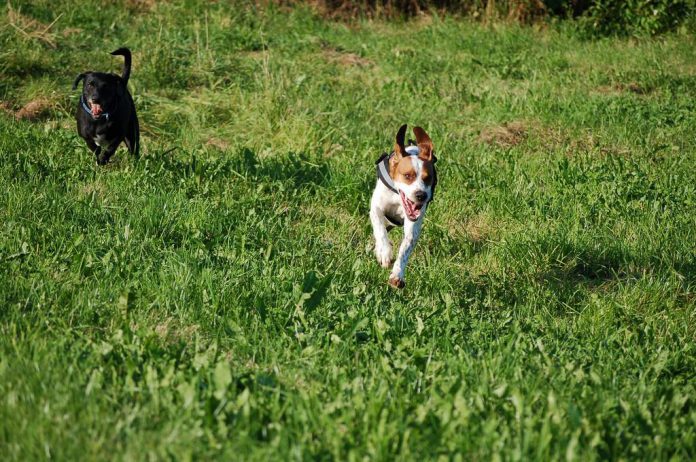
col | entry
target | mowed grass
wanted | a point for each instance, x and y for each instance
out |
(219, 297)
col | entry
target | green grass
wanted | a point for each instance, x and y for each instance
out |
(221, 300)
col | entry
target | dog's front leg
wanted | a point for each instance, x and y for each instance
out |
(94, 147)
(383, 247)
(412, 230)
(104, 156)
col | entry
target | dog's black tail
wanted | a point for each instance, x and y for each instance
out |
(125, 52)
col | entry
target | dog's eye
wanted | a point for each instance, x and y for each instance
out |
(410, 176)
(90, 84)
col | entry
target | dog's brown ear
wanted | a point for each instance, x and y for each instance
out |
(399, 148)
(425, 144)
(77, 80)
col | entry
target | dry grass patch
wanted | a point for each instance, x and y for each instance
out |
(94, 187)
(477, 228)
(68, 31)
(171, 331)
(572, 144)
(346, 59)
(140, 5)
(217, 143)
(31, 28)
(505, 136)
(620, 88)
(6, 107)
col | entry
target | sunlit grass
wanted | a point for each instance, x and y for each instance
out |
(219, 298)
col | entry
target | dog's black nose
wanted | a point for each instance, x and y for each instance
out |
(421, 196)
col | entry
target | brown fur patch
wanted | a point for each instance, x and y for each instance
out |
(425, 144)
(397, 283)
(405, 172)
(504, 136)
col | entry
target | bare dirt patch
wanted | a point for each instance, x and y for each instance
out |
(35, 110)
(505, 136)
(619, 88)
(351, 59)
(636, 88)
(345, 58)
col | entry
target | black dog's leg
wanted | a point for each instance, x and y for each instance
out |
(94, 147)
(103, 158)
(133, 137)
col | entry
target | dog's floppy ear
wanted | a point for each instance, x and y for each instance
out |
(399, 148)
(78, 78)
(425, 144)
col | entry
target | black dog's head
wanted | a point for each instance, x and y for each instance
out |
(101, 92)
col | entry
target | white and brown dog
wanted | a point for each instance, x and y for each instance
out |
(406, 182)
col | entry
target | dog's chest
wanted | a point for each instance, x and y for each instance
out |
(102, 140)
(391, 206)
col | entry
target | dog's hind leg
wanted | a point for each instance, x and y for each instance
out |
(132, 138)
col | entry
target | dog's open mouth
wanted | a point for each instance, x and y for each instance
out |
(412, 209)
(96, 109)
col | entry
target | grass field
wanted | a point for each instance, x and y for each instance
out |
(219, 297)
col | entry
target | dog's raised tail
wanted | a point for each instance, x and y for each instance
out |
(125, 52)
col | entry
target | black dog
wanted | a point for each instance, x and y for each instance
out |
(106, 112)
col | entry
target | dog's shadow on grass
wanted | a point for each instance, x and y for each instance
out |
(297, 170)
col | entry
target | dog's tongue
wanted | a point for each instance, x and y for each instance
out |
(412, 210)
(96, 109)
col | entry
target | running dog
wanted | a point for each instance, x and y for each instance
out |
(405, 186)
(106, 112)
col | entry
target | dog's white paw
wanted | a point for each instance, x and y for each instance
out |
(397, 282)
(384, 254)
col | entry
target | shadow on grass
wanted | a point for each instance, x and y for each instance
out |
(296, 171)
